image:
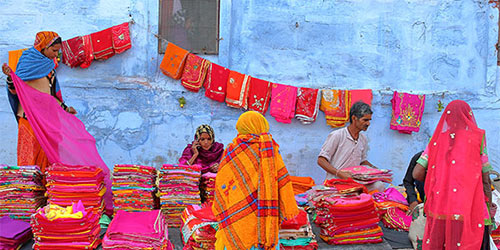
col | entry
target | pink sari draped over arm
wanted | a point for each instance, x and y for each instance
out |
(61, 135)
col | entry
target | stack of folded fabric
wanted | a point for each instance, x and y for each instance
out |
(134, 187)
(198, 227)
(347, 217)
(297, 233)
(301, 184)
(367, 175)
(179, 187)
(207, 187)
(67, 184)
(137, 230)
(72, 227)
(13, 233)
(21, 191)
(397, 219)
(390, 198)
(495, 235)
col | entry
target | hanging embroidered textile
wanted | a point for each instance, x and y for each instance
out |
(173, 61)
(283, 99)
(102, 44)
(194, 72)
(307, 105)
(216, 82)
(14, 56)
(73, 51)
(88, 52)
(121, 37)
(407, 111)
(335, 105)
(237, 90)
(258, 95)
(364, 95)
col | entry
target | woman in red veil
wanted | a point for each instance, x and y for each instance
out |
(455, 168)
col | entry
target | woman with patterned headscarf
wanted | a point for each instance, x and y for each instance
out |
(204, 150)
(36, 67)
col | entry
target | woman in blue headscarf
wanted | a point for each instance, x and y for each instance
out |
(36, 67)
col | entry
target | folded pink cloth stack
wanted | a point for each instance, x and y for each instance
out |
(13, 233)
(137, 230)
(52, 233)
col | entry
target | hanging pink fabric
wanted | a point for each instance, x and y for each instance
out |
(283, 99)
(62, 135)
(407, 111)
(455, 202)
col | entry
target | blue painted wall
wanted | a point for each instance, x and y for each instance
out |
(444, 49)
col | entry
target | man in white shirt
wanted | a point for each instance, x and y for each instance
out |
(347, 147)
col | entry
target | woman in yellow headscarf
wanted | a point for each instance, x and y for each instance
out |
(253, 192)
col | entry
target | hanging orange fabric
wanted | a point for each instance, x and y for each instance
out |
(335, 105)
(173, 62)
(237, 90)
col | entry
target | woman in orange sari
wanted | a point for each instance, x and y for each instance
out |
(36, 67)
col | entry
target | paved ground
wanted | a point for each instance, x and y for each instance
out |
(175, 237)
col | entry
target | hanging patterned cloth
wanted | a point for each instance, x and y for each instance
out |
(102, 44)
(307, 105)
(237, 90)
(259, 94)
(73, 51)
(88, 52)
(121, 37)
(173, 61)
(283, 99)
(407, 111)
(335, 104)
(216, 82)
(194, 72)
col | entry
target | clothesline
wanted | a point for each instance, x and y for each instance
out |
(385, 91)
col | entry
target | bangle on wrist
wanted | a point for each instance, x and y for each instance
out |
(64, 106)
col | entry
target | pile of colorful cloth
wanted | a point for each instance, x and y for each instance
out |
(21, 191)
(207, 187)
(137, 230)
(367, 175)
(345, 218)
(72, 227)
(198, 227)
(13, 233)
(67, 184)
(179, 187)
(134, 187)
(301, 184)
(392, 207)
(495, 235)
(297, 234)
